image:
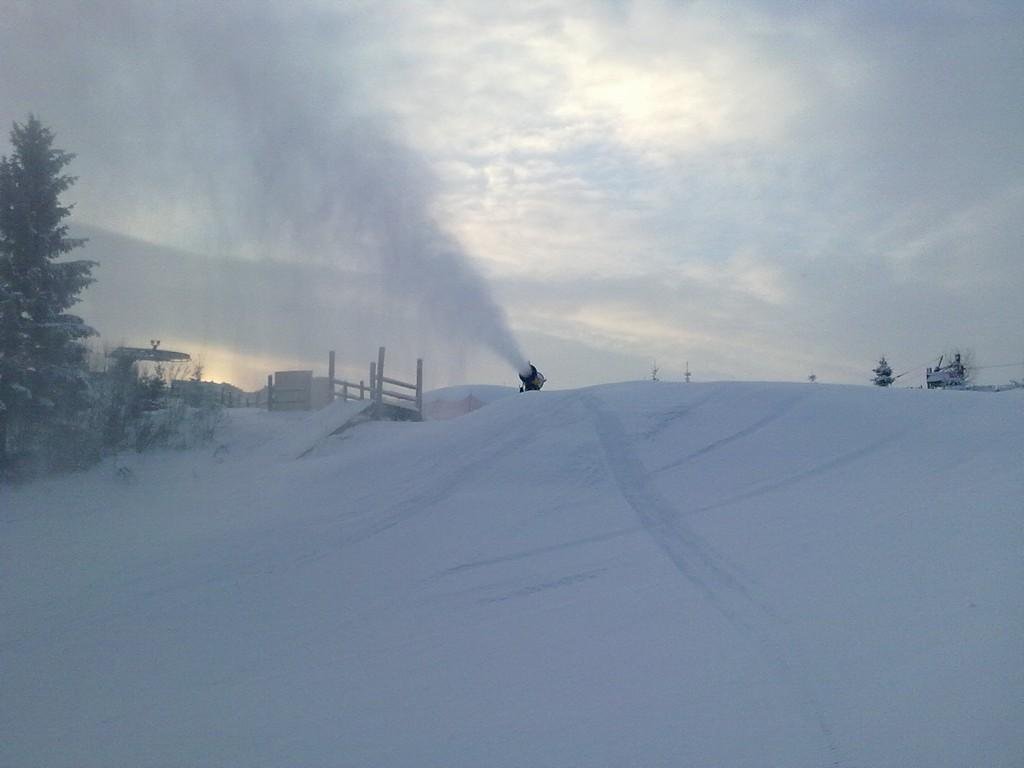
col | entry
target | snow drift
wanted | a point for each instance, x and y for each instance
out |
(640, 574)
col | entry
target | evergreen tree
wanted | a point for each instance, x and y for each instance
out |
(883, 374)
(43, 383)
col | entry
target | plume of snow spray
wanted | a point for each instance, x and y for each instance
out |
(253, 131)
(332, 183)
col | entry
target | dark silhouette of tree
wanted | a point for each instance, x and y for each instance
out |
(43, 378)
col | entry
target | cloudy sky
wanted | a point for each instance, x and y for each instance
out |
(761, 189)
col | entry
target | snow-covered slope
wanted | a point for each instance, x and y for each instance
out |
(643, 574)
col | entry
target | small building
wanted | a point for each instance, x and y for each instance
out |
(300, 391)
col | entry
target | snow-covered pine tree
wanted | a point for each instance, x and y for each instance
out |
(883, 374)
(43, 382)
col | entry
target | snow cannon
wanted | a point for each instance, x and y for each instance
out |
(532, 378)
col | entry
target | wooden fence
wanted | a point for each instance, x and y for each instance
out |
(402, 391)
(348, 388)
(292, 389)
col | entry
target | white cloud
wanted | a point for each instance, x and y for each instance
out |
(764, 187)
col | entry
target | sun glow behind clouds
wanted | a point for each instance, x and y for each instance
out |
(738, 168)
(556, 135)
(249, 371)
(662, 96)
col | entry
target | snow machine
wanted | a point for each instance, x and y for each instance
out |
(532, 379)
(949, 376)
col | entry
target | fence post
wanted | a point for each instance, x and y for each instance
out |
(380, 375)
(270, 391)
(419, 385)
(344, 391)
(330, 376)
(360, 389)
(373, 381)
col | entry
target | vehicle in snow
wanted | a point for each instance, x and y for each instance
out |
(950, 376)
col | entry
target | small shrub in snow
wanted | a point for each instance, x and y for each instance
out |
(883, 374)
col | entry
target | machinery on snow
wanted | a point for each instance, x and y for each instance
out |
(532, 379)
(952, 375)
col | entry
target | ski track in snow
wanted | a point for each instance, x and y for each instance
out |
(695, 560)
(838, 462)
(776, 627)
(757, 426)
(669, 418)
(528, 553)
(440, 488)
(533, 589)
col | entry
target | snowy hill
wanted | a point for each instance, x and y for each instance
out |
(643, 574)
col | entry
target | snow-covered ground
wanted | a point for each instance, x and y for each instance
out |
(644, 574)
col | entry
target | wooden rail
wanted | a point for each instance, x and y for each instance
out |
(375, 389)
(294, 390)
